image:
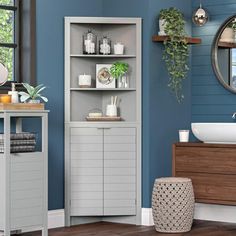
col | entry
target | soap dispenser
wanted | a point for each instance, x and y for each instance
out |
(14, 94)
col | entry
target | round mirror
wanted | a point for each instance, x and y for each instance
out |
(224, 54)
(3, 74)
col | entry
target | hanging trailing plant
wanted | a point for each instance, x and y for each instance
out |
(176, 51)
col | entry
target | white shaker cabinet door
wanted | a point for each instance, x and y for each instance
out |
(86, 154)
(120, 171)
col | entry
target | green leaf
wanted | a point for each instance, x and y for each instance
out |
(119, 69)
(25, 97)
(176, 51)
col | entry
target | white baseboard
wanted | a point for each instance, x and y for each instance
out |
(147, 219)
(220, 213)
(56, 218)
(212, 212)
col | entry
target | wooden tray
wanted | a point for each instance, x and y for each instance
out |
(21, 106)
(103, 118)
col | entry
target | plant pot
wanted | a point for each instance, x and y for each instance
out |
(123, 82)
(34, 101)
(162, 25)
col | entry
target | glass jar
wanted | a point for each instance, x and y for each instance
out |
(89, 43)
(105, 46)
(123, 81)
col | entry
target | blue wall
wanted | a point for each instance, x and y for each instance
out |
(166, 115)
(162, 115)
(50, 71)
(210, 101)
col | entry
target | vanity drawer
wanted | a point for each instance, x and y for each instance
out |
(212, 169)
(204, 160)
(212, 188)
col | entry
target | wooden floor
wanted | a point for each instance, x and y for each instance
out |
(202, 228)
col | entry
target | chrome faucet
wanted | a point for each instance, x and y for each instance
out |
(234, 115)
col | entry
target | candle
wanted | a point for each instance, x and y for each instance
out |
(118, 49)
(84, 81)
(5, 98)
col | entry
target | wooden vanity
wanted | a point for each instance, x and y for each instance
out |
(212, 168)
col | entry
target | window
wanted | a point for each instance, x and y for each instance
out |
(8, 36)
(17, 40)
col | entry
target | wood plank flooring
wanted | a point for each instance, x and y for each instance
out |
(201, 228)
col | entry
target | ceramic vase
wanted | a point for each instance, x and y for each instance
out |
(162, 25)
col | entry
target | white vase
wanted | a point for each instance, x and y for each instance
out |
(228, 35)
(162, 25)
(123, 82)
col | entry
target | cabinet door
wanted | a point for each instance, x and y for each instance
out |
(120, 171)
(86, 152)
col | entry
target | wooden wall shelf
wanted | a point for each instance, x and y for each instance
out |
(226, 45)
(158, 38)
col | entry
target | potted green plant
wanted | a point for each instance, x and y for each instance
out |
(119, 71)
(176, 51)
(33, 94)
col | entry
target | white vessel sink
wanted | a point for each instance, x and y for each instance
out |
(215, 132)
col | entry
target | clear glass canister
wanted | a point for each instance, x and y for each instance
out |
(105, 46)
(89, 43)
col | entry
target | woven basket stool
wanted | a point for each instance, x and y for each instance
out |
(173, 205)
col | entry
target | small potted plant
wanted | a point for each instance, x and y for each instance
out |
(33, 94)
(119, 71)
(176, 51)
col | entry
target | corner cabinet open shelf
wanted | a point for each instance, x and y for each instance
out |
(162, 38)
(102, 159)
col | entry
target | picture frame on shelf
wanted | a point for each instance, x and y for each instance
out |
(104, 78)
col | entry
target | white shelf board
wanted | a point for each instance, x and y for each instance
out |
(84, 123)
(103, 56)
(102, 89)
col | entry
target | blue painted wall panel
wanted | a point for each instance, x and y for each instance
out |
(210, 101)
(207, 3)
(166, 115)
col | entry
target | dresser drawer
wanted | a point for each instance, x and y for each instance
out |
(212, 188)
(212, 169)
(205, 160)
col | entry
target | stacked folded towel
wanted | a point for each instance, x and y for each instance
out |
(20, 142)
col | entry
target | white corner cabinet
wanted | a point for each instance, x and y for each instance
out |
(23, 179)
(102, 159)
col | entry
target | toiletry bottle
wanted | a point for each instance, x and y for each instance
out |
(14, 94)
